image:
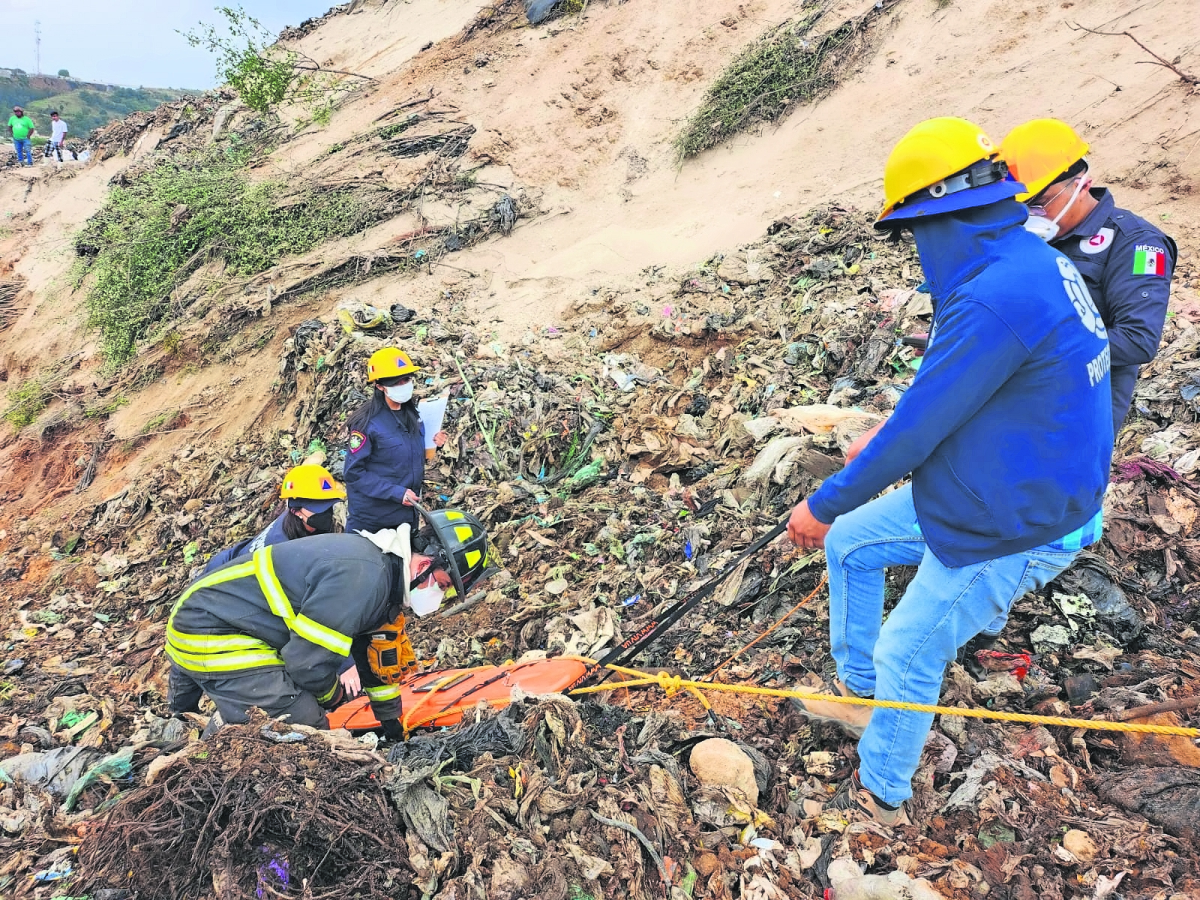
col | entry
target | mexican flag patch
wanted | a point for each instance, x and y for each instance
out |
(1148, 260)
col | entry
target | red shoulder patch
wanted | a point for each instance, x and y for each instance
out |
(357, 439)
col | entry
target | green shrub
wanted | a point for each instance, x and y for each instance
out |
(264, 74)
(25, 403)
(164, 421)
(786, 67)
(105, 407)
(152, 234)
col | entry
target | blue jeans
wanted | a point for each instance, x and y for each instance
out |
(24, 146)
(904, 659)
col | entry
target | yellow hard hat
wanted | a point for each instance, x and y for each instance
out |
(940, 166)
(1040, 151)
(388, 363)
(312, 483)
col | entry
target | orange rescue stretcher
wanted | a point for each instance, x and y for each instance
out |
(435, 699)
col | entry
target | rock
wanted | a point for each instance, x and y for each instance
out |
(510, 879)
(222, 117)
(1081, 846)
(999, 684)
(849, 883)
(719, 762)
(1081, 688)
(706, 864)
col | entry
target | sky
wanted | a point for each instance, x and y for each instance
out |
(129, 42)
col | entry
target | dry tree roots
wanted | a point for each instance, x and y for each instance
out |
(242, 816)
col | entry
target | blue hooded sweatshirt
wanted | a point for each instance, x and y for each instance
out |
(1007, 427)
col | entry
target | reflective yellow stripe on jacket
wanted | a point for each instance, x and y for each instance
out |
(224, 662)
(328, 695)
(383, 692)
(230, 652)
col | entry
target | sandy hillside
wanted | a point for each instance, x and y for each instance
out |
(609, 103)
(580, 115)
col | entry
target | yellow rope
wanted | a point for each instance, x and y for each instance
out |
(406, 719)
(672, 684)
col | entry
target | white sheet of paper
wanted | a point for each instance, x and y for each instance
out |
(433, 414)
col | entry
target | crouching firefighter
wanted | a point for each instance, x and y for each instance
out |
(273, 628)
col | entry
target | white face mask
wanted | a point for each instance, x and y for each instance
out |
(400, 393)
(1047, 229)
(426, 600)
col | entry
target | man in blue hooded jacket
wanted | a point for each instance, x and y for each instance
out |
(1006, 431)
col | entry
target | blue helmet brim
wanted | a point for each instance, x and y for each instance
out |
(313, 506)
(980, 196)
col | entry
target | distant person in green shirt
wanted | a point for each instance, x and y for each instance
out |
(20, 126)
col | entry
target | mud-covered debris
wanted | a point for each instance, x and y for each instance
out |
(1169, 797)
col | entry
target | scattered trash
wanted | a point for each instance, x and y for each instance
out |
(1047, 638)
(57, 770)
(849, 883)
(539, 10)
(1093, 580)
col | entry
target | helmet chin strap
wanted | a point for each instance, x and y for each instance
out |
(1049, 229)
(1080, 184)
(423, 576)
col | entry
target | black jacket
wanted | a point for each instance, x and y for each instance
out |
(304, 605)
(1127, 264)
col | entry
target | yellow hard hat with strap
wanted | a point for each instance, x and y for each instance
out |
(942, 165)
(388, 363)
(1038, 152)
(311, 482)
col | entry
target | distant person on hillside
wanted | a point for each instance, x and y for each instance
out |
(58, 135)
(20, 129)
(1126, 262)
(385, 468)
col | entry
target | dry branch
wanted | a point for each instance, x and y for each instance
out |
(1158, 60)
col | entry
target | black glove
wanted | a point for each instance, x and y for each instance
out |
(392, 730)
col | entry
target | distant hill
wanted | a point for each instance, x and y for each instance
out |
(84, 105)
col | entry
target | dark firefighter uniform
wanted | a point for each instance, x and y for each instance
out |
(274, 628)
(386, 459)
(1127, 264)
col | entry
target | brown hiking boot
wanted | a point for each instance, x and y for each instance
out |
(852, 797)
(851, 719)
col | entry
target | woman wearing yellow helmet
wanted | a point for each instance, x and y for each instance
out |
(311, 493)
(385, 466)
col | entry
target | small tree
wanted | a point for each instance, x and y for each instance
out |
(264, 75)
(63, 73)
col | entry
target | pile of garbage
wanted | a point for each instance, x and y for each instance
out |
(619, 459)
(186, 124)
